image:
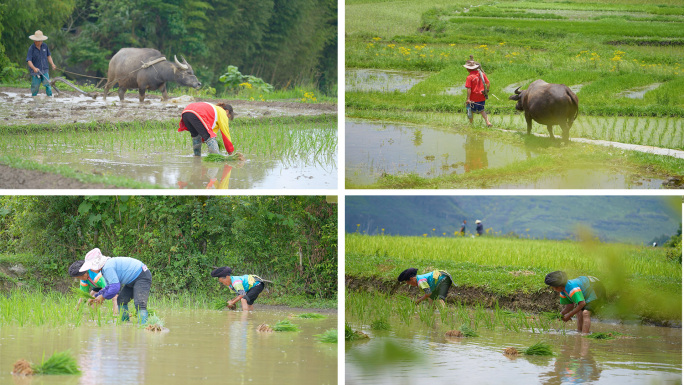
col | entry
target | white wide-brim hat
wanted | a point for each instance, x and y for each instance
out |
(94, 260)
(471, 65)
(478, 221)
(38, 36)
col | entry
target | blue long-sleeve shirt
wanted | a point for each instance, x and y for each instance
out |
(120, 271)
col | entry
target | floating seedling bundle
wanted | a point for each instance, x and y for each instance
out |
(311, 315)
(58, 363)
(329, 336)
(223, 158)
(353, 335)
(263, 328)
(154, 324)
(541, 348)
(285, 326)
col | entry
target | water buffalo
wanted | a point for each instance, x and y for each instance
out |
(131, 68)
(548, 104)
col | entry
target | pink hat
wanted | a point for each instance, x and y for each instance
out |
(94, 260)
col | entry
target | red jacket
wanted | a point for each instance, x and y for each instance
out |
(476, 87)
(213, 119)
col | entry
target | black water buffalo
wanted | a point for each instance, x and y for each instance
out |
(548, 104)
(147, 69)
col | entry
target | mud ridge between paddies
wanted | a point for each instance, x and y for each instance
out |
(17, 107)
(542, 301)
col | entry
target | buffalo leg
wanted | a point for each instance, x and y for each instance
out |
(122, 92)
(165, 96)
(566, 132)
(141, 91)
(529, 124)
(550, 128)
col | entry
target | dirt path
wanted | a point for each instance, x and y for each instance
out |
(17, 107)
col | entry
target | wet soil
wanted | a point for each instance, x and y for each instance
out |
(468, 296)
(14, 178)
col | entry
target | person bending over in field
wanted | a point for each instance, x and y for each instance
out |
(128, 277)
(90, 283)
(434, 284)
(205, 121)
(248, 287)
(581, 296)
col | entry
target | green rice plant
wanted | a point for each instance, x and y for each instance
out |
(539, 349)
(467, 331)
(329, 336)
(80, 293)
(285, 326)
(353, 335)
(380, 324)
(426, 314)
(405, 309)
(58, 363)
(219, 304)
(604, 335)
(312, 315)
(221, 158)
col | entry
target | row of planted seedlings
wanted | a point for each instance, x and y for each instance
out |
(380, 310)
(313, 139)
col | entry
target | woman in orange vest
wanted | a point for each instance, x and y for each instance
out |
(205, 121)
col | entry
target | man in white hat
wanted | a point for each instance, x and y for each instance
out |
(479, 227)
(477, 85)
(38, 59)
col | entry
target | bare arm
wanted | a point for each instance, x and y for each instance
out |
(574, 311)
(30, 64)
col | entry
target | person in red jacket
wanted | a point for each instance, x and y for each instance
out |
(475, 84)
(205, 121)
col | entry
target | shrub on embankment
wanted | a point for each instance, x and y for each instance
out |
(641, 282)
(291, 241)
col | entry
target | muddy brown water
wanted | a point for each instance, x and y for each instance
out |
(408, 355)
(201, 347)
(376, 149)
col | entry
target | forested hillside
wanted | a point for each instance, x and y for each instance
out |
(291, 241)
(618, 219)
(285, 42)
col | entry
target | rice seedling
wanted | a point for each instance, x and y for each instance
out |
(80, 293)
(223, 158)
(154, 324)
(380, 324)
(219, 304)
(353, 335)
(604, 335)
(539, 349)
(285, 326)
(467, 331)
(329, 336)
(311, 315)
(58, 363)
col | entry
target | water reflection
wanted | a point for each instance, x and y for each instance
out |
(475, 153)
(575, 364)
(381, 80)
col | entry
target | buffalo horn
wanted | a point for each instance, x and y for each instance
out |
(181, 65)
(517, 91)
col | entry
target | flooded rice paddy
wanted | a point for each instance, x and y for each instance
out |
(381, 80)
(291, 155)
(410, 354)
(201, 347)
(376, 149)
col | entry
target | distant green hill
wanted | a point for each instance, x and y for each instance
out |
(630, 219)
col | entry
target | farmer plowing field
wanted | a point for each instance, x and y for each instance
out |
(205, 121)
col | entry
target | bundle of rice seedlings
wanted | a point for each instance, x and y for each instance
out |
(329, 336)
(263, 328)
(219, 304)
(380, 324)
(80, 293)
(511, 352)
(154, 324)
(353, 335)
(539, 349)
(223, 158)
(467, 331)
(454, 333)
(58, 363)
(604, 336)
(285, 326)
(311, 315)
